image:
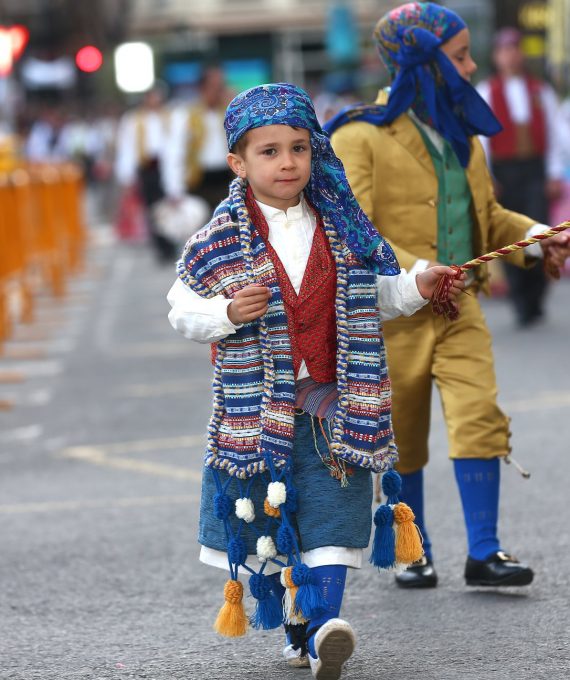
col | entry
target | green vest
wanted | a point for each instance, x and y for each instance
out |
(454, 221)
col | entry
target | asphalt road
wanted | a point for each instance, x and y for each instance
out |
(100, 463)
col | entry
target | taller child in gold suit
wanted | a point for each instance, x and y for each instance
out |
(418, 170)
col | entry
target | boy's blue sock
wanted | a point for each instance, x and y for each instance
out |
(478, 480)
(412, 494)
(331, 578)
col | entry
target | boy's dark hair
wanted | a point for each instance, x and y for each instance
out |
(240, 146)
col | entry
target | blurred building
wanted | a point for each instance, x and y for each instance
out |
(301, 41)
(256, 40)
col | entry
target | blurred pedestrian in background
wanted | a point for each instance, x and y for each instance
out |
(142, 141)
(44, 142)
(419, 172)
(526, 157)
(196, 157)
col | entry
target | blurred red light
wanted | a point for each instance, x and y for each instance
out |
(13, 40)
(88, 59)
(20, 36)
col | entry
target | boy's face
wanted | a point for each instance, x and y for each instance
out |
(457, 50)
(276, 161)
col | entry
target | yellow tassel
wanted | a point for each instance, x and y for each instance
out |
(408, 538)
(270, 510)
(231, 620)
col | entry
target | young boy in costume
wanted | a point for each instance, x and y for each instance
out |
(291, 282)
(418, 171)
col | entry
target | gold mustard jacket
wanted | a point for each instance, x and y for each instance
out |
(393, 178)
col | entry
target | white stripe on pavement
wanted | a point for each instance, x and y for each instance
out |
(51, 506)
(96, 456)
(23, 433)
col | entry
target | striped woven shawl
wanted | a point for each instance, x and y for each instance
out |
(251, 427)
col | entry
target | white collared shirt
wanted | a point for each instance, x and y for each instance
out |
(291, 235)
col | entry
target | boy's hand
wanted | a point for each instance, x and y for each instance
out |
(557, 248)
(248, 304)
(427, 281)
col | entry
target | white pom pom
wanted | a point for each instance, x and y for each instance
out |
(276, 494)
(245, 509)
(265, 548)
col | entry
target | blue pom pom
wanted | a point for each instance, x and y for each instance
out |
(260, 586)
(383, 516)
(284, 540)
(309, 600)
(223, 506)
(268, 612)
(384, 546)
(291, 500)
(237, 551)
(301, 575)
(391, 486)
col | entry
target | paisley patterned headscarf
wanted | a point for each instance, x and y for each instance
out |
(424, 79)
(328, 189)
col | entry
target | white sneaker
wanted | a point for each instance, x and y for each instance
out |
(334, 643)
(295, 657)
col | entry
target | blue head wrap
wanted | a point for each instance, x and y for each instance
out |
(328, 189)
(424, 79)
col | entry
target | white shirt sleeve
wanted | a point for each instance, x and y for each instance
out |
(420, 265)
(398, 295)
(200, 319)
(535, 250)
(554, 134)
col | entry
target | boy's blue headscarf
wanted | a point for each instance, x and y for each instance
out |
(328, 189)
(424, 79)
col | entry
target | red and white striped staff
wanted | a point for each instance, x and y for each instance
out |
(445, 307)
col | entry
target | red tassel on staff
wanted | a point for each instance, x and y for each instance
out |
(441, 303)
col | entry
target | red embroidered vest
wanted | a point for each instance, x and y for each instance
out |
(311, 314)
(518, 141)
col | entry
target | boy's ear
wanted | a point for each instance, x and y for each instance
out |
(237, 164)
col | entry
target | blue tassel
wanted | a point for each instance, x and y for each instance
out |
(309, 600)
(268, 612)
(391, 486)
(384, 546)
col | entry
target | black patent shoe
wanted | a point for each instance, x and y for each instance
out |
(499, 569)
(420, 574)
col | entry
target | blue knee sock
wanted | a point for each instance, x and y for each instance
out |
(412, 494)
(478, 480)
(331, 578)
